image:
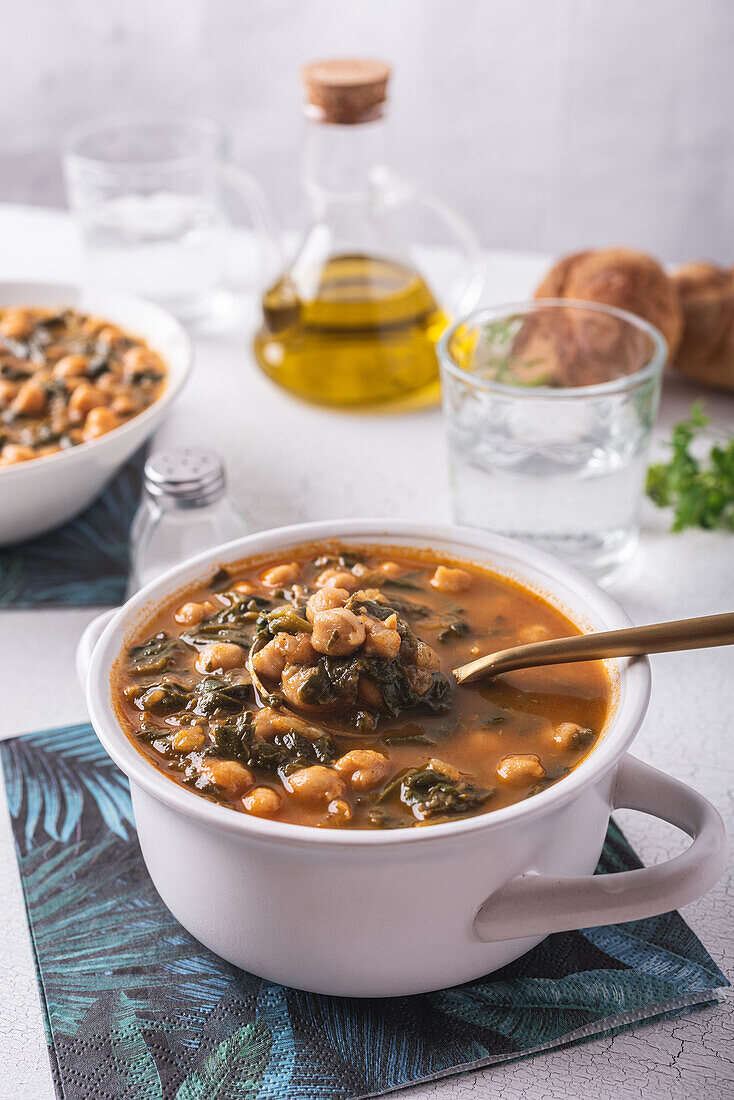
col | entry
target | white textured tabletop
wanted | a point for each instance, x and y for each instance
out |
(395, 465)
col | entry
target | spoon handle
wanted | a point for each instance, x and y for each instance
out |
(700, 633)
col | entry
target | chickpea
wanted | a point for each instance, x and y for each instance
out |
(435, 765)
(30, 399)
(95, 326)
(315, 784)
(337, 632)
(124, 405)
(383, 638)
(84, 398)
(364, 574)
(391, 569)
(262, 802)
(520, 770)
(340, 811)
(99, 421)
(294, 679)
(50, 449)
(188, 738)
(268, 722)
(220, 657)
(324, 600)
(425, 657)
(368, 692)
(281, 575)
(15, 452)
(569, 735)
(534, 632)
(233, 778)
(192, 613)
(139, 360)
(8, 391)
(244, 587)
(270, 660)
(71, 366)
(362, 768)
(108, 384)
(298, 648)
(450, 581)
(337, 578)
(419, 679)
(285, 649)
(17, 324)
(108, 333)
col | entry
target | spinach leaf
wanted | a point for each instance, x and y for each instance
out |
(406, 739)
(383, 611)
(400, 583)
(232, 624)
(221, 576)
(154, 655)
(163, 699)
(430, 793)
(287, 752)
(233, 740)
(393, 680)
(283, 620)
(379, 819)
(453, 627)
(13, 373)
(336, 680)
(214, 696)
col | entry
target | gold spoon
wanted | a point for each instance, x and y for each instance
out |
(632, 641)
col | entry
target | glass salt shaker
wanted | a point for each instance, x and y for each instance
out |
(185, 510)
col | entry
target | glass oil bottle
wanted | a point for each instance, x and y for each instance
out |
(351, 322)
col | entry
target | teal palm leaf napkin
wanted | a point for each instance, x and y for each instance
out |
(136, 1008)
(84, 563)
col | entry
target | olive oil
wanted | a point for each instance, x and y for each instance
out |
(357, 330)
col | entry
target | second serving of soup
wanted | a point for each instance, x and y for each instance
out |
(67, 378)
(316, 688)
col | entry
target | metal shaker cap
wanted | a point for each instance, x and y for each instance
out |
(189, 476)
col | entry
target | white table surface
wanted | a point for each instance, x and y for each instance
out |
(395, 465)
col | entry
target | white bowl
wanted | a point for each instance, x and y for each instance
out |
(381, 913)
(43, 493)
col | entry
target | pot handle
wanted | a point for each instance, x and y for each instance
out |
(535, 904)
(87, 642)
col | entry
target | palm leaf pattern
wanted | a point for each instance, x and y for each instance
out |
(234, 1070)
(136, 1071)
(54, 779)
(136, 1009)
(83, 563)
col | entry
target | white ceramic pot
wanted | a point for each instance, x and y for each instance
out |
(38, 495)
(383, 913)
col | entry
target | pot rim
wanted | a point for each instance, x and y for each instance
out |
(565, 584)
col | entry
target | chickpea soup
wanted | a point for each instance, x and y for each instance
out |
(315, 688)
(67, 378)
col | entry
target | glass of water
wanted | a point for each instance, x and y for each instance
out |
(549, 408)
(148, 191)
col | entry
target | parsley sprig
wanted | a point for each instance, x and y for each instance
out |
(701, 491)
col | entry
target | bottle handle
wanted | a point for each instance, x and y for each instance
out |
(397, 191)
(267, 236)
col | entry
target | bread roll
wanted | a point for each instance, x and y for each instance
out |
(706, 352)
(628, 280)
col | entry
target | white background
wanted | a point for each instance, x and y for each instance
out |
(553, 124)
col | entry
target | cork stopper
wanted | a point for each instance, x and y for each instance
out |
(347, 90)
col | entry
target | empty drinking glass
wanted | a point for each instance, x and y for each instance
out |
(148, 191)
(549, 408)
